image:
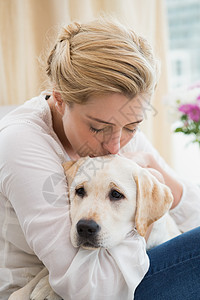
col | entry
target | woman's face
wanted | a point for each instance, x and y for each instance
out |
(103, 125)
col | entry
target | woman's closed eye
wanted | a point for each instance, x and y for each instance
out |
(95, 130)
(131, 130)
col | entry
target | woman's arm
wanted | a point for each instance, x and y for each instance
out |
(170, 180)
(186, 206)
(148, 160)
(33, 180)
(174, 184)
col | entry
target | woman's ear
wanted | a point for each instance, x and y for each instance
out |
(58, 103)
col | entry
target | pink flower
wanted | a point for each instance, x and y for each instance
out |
(191, 110)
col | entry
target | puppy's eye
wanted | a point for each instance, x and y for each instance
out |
(80, 192)
(115, 195)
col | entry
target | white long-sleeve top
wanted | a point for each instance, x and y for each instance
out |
(34, 215)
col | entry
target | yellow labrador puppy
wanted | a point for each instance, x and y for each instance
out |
(110, 196)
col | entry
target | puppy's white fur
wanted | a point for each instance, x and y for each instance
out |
(144, 201)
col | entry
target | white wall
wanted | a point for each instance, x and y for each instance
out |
(186, 157)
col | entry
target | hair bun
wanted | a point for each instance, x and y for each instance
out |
(69, 31)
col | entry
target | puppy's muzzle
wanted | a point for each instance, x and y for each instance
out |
(87, 232)
(87, 228)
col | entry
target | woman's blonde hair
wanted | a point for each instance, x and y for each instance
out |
(100, 57)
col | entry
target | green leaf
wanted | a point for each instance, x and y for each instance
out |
(179, 129)
(184, 118)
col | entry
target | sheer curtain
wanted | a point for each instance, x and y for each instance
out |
(28, 27)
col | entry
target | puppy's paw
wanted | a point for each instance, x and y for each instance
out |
(43, 291)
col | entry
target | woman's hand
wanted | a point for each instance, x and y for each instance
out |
(143, 159)
(147, 160)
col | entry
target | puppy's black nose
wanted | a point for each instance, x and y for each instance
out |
(87, 228)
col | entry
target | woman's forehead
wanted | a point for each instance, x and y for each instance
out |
(111, 108)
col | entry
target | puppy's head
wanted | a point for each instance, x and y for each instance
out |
(109, 197)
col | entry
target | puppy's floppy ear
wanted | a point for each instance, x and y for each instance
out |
(153, 200)
(71, 168)
(68, 164)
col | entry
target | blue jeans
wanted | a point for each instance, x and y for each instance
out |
(174, 272)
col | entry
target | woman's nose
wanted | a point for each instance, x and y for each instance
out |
(112, 144)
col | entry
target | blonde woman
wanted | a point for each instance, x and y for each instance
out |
(102, 78)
